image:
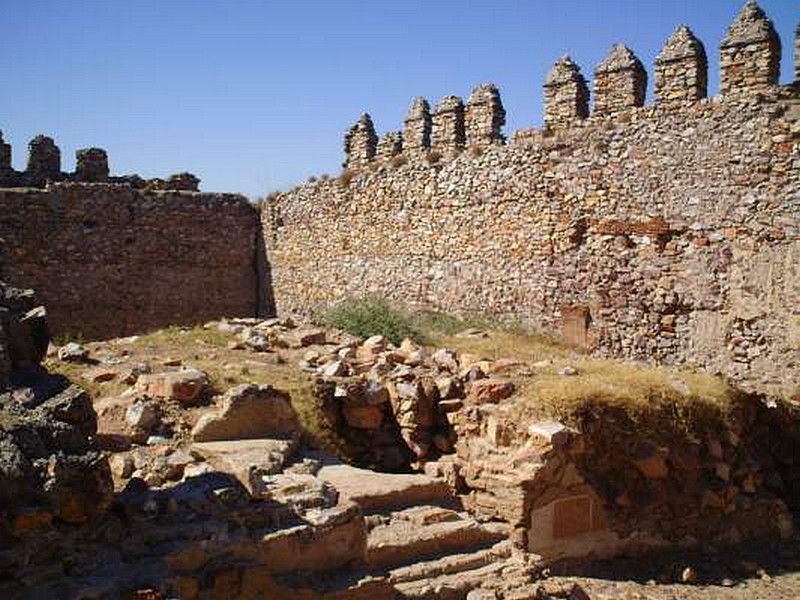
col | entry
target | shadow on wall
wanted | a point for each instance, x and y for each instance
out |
(265, 299)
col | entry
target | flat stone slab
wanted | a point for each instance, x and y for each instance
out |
(404, 542)
(242, 457)
(375, 492)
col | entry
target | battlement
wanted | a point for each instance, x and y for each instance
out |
(749, 65)
(681, 69)
(91, 166)
(448, 134)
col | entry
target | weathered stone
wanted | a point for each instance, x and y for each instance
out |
(566, 94)
(122, 466)
(620, 82)
(375, 393)
(446, 359)
(390, 145)
(489, 390)
(130, 375)
(127, 260)
(363, 417)
(485, 117)
(449, 388)
(51, 470)
(185, 386)
(309, 337)
(796, 54)
(653, 466)
(681, 69)
(91, 164)
(249, 411)
(44, 158)
(73, 352)
(417, 130)
(448, 135)
(5, 156)
(360, 143)
(248, 460)
(335, 368)
(262, 343)
(100, 375)
(141, 415)
(750, 54)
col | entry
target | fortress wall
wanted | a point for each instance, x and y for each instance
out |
(664, 234)
(667, 233)
(109, 260)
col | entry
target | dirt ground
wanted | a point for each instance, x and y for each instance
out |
(748, 572)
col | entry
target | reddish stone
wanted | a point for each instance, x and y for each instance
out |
(490, 390)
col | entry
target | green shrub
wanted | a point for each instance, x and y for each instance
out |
(371, 316)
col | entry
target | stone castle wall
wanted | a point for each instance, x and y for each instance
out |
(91, 166)
(110, 260)
(668, 233)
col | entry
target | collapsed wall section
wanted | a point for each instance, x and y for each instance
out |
(110, 260)
(660, 233)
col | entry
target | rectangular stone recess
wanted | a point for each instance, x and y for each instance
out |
(564, 520)
(572, 516)
(575, 321)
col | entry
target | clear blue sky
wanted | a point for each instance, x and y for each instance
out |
(254, 96)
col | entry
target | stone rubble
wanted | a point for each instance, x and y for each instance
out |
(247, 506)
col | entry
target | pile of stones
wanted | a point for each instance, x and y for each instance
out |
(389, 406)
(393, 406)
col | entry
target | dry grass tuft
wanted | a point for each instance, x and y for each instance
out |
(433, 157)
(512, 343)
(398, 161)
(690, 399)
(346, 177)
(637, 389)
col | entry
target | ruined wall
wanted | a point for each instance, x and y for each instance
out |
(91, 166)
(111, 260)
(667, 233)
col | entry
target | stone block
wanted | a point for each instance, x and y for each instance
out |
(249, 411)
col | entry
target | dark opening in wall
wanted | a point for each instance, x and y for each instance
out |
(89, 226)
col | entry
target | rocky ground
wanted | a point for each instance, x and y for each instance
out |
(179, 405)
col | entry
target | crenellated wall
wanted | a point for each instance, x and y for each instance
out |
(110, 260)
(91, 166)
(668, 233)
